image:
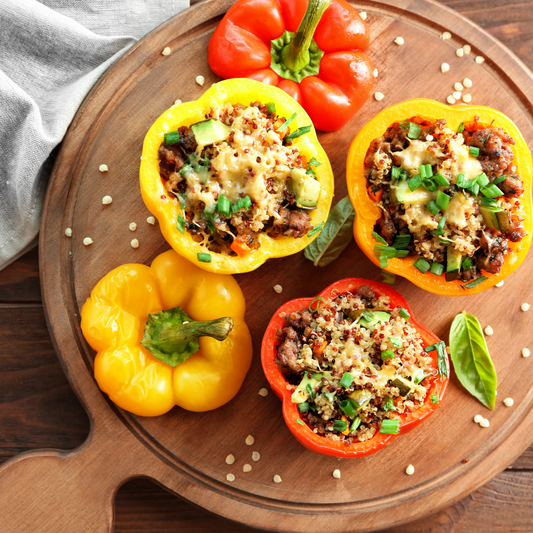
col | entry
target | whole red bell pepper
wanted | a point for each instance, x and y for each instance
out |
(312, 50)
(301, 431)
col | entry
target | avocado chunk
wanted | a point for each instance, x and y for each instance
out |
(306, 189)
(454, 260)
(210, 131)
(495, 217)
(401, 194)
(361, 397)
(301, 394)
(371, 318)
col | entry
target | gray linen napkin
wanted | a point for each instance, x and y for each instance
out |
(51, 54)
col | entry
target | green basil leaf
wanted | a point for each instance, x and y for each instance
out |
(335, 237)
(471, 359)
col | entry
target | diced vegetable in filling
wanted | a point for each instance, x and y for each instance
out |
(236, 175)
(355, 365)
(453, 198)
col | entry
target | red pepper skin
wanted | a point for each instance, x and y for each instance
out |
(303, 434)
(240, 48)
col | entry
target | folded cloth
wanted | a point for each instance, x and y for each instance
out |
(51, 54)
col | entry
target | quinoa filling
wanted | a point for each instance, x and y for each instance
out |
(245, 180)
(453, 198)
(352, 363)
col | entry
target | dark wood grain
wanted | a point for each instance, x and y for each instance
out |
(56, 419)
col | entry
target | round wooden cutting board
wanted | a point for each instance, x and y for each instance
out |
(73, 491)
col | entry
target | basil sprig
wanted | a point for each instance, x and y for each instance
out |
(335, 237)
(471, 359)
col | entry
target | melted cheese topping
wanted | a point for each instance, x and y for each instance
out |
(417, 154)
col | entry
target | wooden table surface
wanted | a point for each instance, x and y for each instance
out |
(40, 410)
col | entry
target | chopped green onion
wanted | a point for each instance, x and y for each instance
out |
(316, 229)
(387, 354)
(355, 424)
(318, 300)
(388, 277)
(180, 224)
(330, 396)
(298, 421)
(271, 106)
(387, 251)
(489, 202)
(285, 125)
(388, 404)
(434, 398)
(483, 180)
(443, 200)
(390, 427)
(475, 282)
(346, 380)
(401, 242)
(210, 220)
(441, 223)
(445, 240)
(422, 265)
(474, 187)
(185, 170)
(404, 124)
(348, 408)
(397, 343)
(430, 348)
(414, 130)
(183, 200)
(398, 173)
(340, 425)
(203, 257)
(473, 150)
(428, 170)
(429, 184)
(437, 269)
(310, 390)
(242, 203)
(303, 407)
(441, 180)
(499, 180)
(432, 207)
(442, 367)
(461, 128)
(297, 133)
(172, 137)
(492, 192)
(383, 261)
(402, 253)
(404, 313)
(415, 182)
(224, 205)
(423, 172)
(379, 238)
(462, 181)
(466, 264)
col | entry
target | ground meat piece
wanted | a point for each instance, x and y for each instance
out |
(316, 422)
(170, 160)
(516, 232)
(289, 348)
(248, 237)
(293, 223)
(364, 291)
(491, 263)
(495, 152)
(397, 137)
(187, 139)
(388, 229)
(299, 319)
(512, 186)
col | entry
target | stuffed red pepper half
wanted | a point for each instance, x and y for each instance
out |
(353, 368)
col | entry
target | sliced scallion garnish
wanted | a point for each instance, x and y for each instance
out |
(404, 313)
(434, 398)
(310, 391)
(390, 427)
(346, 380)
(475, 282)
(203, 257)
(466, 264)
(429, 184)
(397, 343)
(180, 224)
(442, 200)
(441, 180)
(340, 425)
(298, 421)
(388, 277)
(355, 424)
(401, 242)
(348, 408)
(387, 354)
(437, 269)
(483, 180)
(271, 106)
(242, 203)
(316, 229)
(298, 133)
(499, 180)
(492, 192)
(414, 130)
(462, 181)
(317, 300)
(379, 238)
(285, 125)
(414, 182)
(422, 265)
(303, 407)
(172, 137)
(433, 208)
(461, 128)
(388, 404)
(473, 150)
(224, 205)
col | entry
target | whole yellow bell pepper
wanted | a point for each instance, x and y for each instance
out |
(113, 322)
(166, 210)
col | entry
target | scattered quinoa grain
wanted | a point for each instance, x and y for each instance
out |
(166, 51)
(230, 477)
(247, 468)
(446, 35)
(450, 99)
(525, 306)
(489, 331)
(467, 48)
(256, 456)
(459, 52)
(249, 440)
(106, 200)
(480, 59)
(410, 470)
(456, 95)
(134, 243)
(68, 232)
(399, 41)
(230, 459)
(500, 283)
(151, 220)
(363, 15)
(526, 352)
(278, 288)
(484, 423)
(379, 96)
(200, 80)
(87, 241)
(132, 226)
(458, 86)
(478, 419)
(263, 392)
(467, 82)
(445, 67)
(336, 473)
(103, 168)
(375, 73)
(277, 479)
(508, 402)
(467, 98)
